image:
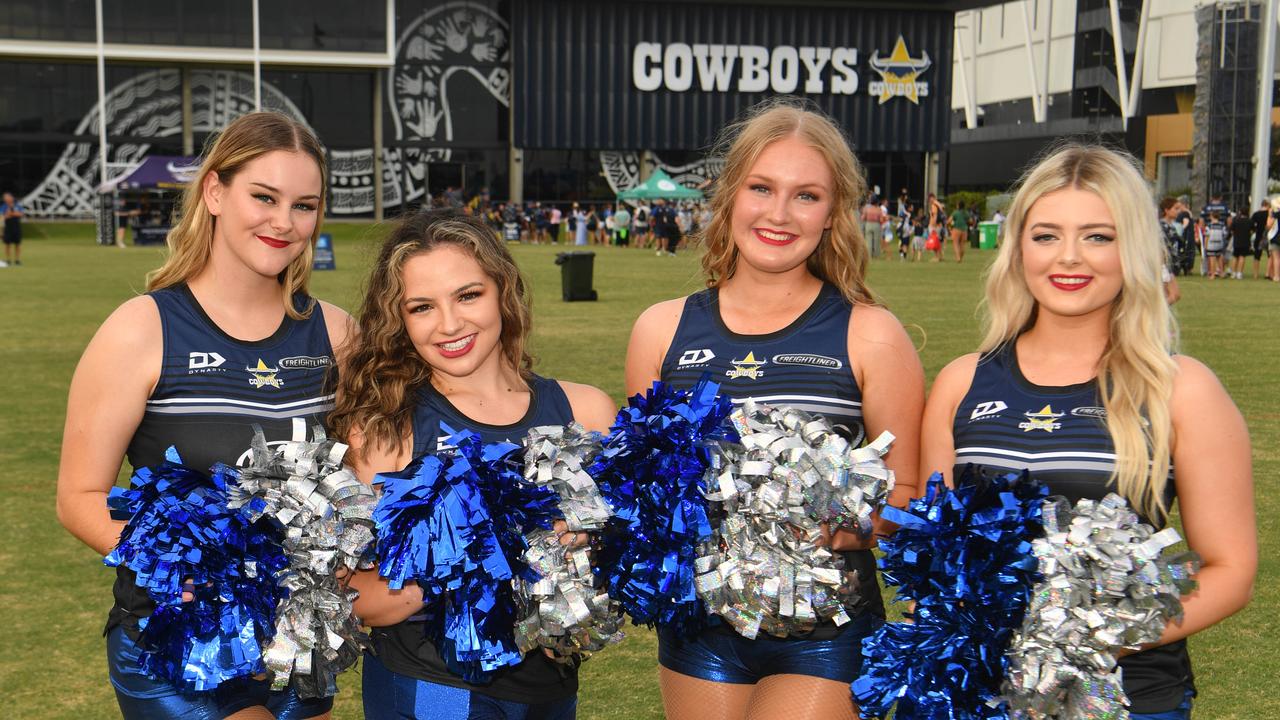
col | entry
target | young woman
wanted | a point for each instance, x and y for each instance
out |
(444, 328)
(215, 347)
(788, 319)
(1077, 381)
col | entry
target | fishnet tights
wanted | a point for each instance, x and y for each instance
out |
(777, 697)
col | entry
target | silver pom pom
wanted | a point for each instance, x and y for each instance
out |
(766, 571)
(1107, 585)
(565, 613)
(327, 517)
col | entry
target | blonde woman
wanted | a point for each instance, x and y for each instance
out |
(225, 338)
(786, 318)
(1077, 380)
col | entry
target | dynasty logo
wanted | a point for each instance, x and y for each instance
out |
(1046, 420)
(898, 74)
(747, 367)
(264, 376)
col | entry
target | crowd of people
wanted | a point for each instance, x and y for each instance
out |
(1074, 317)
(920, 228)
(1221, 239)
(659, 224)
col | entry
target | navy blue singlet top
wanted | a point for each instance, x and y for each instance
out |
(404, 647)
(804, 366)
(214, 388)
(1008, 424)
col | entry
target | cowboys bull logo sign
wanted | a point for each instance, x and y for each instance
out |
(899, 73)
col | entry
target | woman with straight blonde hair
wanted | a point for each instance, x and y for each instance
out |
(787, 318)
(225, 339)
(1077, 380)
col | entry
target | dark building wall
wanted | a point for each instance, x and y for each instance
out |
(575, 63)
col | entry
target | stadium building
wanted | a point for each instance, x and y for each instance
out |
(577, 99)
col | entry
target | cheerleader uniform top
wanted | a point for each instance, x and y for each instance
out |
(805, 366)
(213, 389)
(404, 647)
(1008, 424)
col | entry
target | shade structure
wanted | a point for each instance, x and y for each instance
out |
(156, 172)
(660, 185)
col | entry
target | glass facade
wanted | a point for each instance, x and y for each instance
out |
(337, 104)
(47, 20)
(329, 25)
(46, 98)
(178, 22)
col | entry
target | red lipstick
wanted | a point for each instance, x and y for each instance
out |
(468, 342)
(273, 242)
(779, 238)
(1070, 283)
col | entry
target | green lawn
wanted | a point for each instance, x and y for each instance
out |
(56, 593)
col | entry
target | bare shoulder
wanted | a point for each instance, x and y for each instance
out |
(873, 320)
(1195, 384)
(591, 407)
(134, 324)
(338, 322)
(956, 377)
(660, 320)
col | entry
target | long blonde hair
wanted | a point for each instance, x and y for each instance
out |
(841, 255)
(1136, 370)
(376, 391)
(245, 139)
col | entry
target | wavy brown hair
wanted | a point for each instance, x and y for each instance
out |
(841, 255)
(244, 140)
(378, 385)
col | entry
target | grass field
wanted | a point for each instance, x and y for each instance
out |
(55, 592)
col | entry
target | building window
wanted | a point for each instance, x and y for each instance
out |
(1173, 174)
(48, 20)
(179, 22)
(327, 25)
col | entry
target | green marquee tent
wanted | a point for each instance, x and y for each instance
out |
(660, 185)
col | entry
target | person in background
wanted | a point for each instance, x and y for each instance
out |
(555, 220)
(593, 223)
(872, 225)
(1215, 242)
(959, 224)
(642, 221)
(622, 226)
(1075, 319)
(1259, 221)
(1190, 244)
(13, 212)
(1241, 242)
(1273, 246)
(578, 222)
(919, 229)
(906, 231)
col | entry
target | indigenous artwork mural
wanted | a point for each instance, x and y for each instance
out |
(622, 170)
(443, 49)
(148, 105)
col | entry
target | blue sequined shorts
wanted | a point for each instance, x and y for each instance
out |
(388, 695)
(142, 697)
(726, 657)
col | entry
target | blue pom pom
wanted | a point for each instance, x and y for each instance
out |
(181, 529)
(455, 525)
(651, 472)
(964, 557)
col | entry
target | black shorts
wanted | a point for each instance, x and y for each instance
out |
(12, 238)
(1240, 247)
